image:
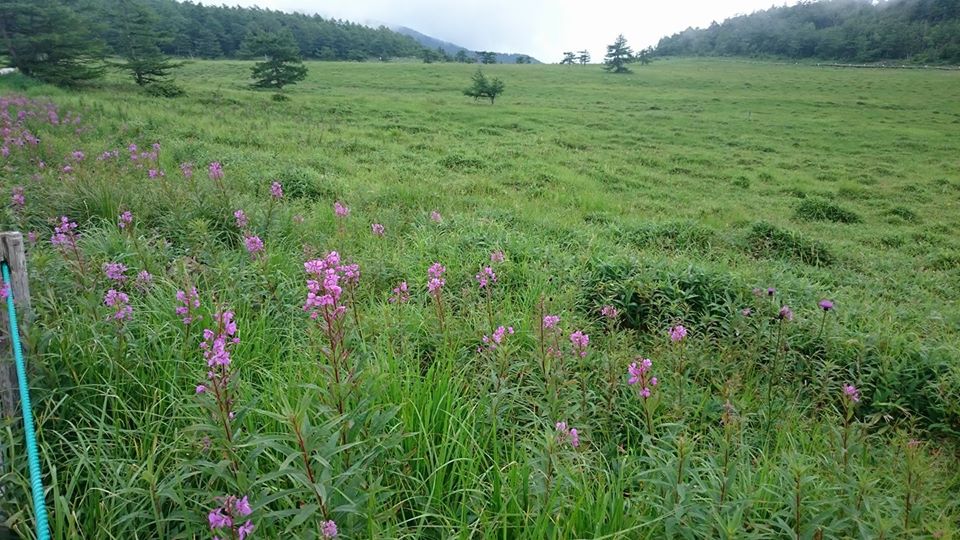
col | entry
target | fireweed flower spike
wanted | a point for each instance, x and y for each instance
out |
(492, 341)
(189, 303)
(17, 199)
(215, 171)
(241, 218)
(639, 372)
(565, 434)
(678, 333)
(401, 294)
(550, 321)
(120, 303)
(435, 283)
(125, 219)
(486, 276)
(115, 271)
(225, 520)
(254, 245)
(329, 530)
(580, 342)
(851, 392)
(851, 397)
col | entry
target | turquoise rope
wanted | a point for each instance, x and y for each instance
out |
(33, 456)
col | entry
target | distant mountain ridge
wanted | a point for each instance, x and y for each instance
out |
(452, 49)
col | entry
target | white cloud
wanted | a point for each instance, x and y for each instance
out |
(542, 28)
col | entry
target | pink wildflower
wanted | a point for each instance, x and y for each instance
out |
(496, 256)
(115, 271)
(851, 392)
(580, 342)
(188, 304)
(340, 210)
(638, 372)
(678, 333)
(570, 435)
(609, 312)
(401, 294)
(120, 302)
(486, 277)
(253, 244)
(436, 217)
(186, 169)
(125, 219)
(215, 170)
(436, 282)
(550, 321)
(241, 219)
(329, 530)
(17, 199)
(377, 229)
(276, 190)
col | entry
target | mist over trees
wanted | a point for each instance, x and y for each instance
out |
(848, 30)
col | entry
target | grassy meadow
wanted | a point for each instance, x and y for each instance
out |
(677, 195)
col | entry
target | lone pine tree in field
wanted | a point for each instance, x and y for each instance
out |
(618, 56)
(568, 58)
(47, 40)
(583, 57)
(281, 65)
(483, 87)
(138, 43)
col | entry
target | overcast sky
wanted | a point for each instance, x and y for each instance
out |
(541, 28)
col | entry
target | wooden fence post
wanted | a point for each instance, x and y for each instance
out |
(12, 252)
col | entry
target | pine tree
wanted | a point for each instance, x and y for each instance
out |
(49, 41)
(483, 87)
(138, 43)
(568, 58)
(281, 65)
(618, 56)
(584, 57)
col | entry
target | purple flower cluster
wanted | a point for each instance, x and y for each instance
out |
(63, 236)
(340, 210)
(241, 219)
(638, 372)
(486, 277)
(115, 271)
(401, 294)
(785, 314)
(17, 199)
(254, 245)
(228, 515)
(436, 282)
(328, 530)
(580, 342)
(217, 344)
(568, 435)
(120, 302)
(276, 190)
(189, 303)
(496, 339)
(125, 219)
(324, 291)
(436, 217)
(678, 333)
(377, 229)
(496, 256)
(609, 312)
(851, 392)
(215, 170)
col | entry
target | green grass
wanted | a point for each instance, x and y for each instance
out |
(671, 193)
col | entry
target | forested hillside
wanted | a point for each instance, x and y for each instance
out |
(849, 30)
(206, 31)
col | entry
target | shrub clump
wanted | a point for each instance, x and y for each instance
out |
(767, 240)
(823, 210)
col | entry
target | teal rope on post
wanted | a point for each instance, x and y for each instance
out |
(33, 455)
